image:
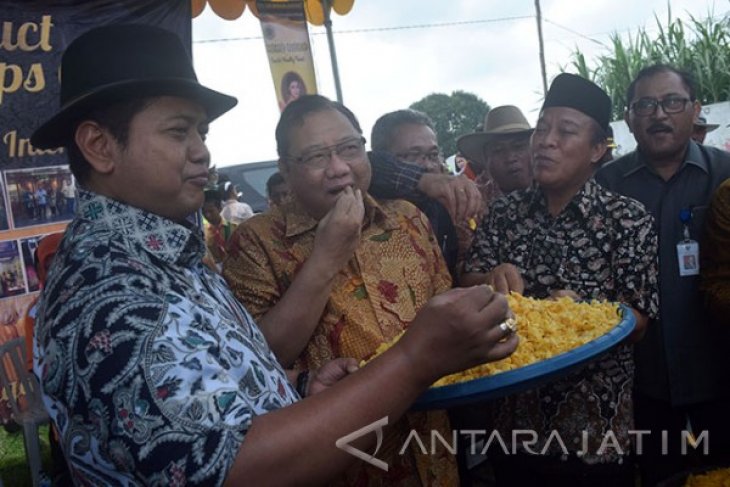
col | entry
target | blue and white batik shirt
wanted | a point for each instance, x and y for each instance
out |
(150, 369)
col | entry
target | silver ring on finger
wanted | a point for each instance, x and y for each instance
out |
(508, 326)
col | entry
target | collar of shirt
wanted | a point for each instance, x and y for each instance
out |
(582, 203)
(298, 221)
(166, 240)
(692, 157)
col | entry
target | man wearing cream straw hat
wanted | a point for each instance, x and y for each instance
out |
(503, 148)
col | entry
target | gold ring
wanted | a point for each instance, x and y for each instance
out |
(508, 326)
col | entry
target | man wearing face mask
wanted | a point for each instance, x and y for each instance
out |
(409, 136)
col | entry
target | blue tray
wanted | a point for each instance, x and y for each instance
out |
(527, 377)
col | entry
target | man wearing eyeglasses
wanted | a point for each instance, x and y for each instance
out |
(410, 137)
(334, 273)
(682, 365)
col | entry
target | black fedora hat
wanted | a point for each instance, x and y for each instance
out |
(114, 63)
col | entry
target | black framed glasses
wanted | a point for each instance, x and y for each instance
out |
(414, 156)
(347, 150)
(645, 107)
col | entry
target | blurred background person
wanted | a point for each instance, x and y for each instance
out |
(217, 230)
(276, 189)
(233, 210)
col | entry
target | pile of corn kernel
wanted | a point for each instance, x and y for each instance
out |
(546, 328)
(714, 478)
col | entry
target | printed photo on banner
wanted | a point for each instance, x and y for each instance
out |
(12, 279)
(292, 87)
(28, 247)
(39, 196)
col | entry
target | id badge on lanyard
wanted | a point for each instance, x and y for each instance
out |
(688, 250)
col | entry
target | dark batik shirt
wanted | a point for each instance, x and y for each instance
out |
(601, 246)
(151, 370)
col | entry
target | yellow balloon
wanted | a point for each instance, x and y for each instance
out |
(314, 11)
(233, 9)
(342, 7)
(197, 7)
(252, 7)
(228, 9)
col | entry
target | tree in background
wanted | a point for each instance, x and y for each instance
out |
(454, 115)
(701, 47)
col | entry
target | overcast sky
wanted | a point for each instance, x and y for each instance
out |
(407, 49)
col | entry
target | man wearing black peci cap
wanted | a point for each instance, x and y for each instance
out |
(567, 236)
(151, 370)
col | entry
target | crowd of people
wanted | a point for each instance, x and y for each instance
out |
(158, 367)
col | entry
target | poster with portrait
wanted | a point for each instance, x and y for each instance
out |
(286, 38)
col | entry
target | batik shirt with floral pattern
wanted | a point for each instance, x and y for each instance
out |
(150, 368)
(396, 269)
(601, 246)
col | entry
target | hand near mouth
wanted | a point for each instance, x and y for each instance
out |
(338, 232)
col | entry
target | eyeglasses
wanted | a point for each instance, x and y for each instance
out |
(413, 156)
(348, 150)
(645, 107)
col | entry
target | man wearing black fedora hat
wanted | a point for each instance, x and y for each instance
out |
(150, 369)
(567, 236)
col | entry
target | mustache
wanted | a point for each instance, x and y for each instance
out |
(655, 127)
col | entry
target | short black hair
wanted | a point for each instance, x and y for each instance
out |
(116, 118)
(295, 112)
(381, 137)
(654, 69)
(274, 180)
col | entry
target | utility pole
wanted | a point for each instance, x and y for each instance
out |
(327, 8)
(542, 46)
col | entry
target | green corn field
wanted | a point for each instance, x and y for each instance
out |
(699, 46)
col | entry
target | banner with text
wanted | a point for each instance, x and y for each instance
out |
(287, 44)
(37, 192)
